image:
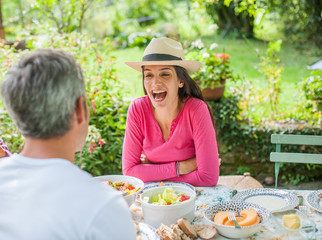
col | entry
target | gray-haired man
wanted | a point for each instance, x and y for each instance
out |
(43, 195)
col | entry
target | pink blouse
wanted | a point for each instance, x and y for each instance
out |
(191, 135)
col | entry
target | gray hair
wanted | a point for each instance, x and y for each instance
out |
(41, 91)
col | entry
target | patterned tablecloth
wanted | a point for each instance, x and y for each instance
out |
(210, 195)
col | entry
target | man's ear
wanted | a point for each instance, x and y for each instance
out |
(81, 111)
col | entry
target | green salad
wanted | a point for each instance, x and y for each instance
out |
(168, 197)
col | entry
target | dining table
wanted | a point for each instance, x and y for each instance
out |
(208, 196)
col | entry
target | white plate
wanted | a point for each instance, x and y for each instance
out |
(271, 199)
(314, 201)
(147, 232)
(167, 184)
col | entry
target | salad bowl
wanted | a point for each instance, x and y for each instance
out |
(129, 194)
(155, 213)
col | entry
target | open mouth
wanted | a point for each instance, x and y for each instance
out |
(159, 95)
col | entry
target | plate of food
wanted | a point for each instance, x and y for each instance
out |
(150, 185)
(128, 186)
(271, 199)
(314, 199)
(146, 232)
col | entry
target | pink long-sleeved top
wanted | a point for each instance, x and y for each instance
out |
(192, 135)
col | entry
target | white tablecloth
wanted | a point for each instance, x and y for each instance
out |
(209, 195)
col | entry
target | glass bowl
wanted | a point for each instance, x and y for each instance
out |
(307, 226)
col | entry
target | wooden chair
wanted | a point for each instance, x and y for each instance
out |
(289, 139)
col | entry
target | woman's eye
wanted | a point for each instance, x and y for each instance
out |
(148, 75)
(165, 74)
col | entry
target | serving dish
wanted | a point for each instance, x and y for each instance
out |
(271, 199)
(137, 183)
(236, 206)
(167, 184)
(307, 226)
(167, 214)
(314, 201)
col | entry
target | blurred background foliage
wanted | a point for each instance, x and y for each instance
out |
(270, 42)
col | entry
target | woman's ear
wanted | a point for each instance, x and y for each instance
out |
(181, 83)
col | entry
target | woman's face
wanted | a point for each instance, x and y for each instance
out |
(161, 84)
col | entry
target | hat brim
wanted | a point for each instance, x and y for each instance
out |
(189, 65)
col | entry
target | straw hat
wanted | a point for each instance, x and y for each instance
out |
(165, 51)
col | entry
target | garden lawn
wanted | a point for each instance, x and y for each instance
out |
(130, 77)
(245, 61)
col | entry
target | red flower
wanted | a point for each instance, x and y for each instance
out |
(222, 55)
(96, 91)
(100, 142)
(93, 106)
(90, 149)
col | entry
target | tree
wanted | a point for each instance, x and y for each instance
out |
(231, 16)
(2, 32)
(301, 19)
(66, 15)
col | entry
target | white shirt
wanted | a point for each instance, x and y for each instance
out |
(44, 199)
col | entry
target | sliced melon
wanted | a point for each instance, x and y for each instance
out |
(221, 217)
(249, 218)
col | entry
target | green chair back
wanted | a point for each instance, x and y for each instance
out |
(289, 139)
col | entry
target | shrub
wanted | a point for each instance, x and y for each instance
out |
(108, 110)
(249, 143)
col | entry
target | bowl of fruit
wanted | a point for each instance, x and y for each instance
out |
(249, 216)
(167, 204)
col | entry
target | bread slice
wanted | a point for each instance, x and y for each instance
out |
(176, 229)
(167, 233)
(186, 226)
(205, 231)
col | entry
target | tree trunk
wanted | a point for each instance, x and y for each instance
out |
(2, 33)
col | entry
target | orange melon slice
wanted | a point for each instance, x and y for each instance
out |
(249, 218)
(221, 217)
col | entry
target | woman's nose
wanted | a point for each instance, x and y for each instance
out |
(156, 79)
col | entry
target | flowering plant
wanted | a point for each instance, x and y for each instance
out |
(215, 68)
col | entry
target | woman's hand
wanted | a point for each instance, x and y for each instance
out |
(187, 166)
(2, 153)
(144, 160)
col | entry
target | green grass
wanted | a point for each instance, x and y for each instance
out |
(130, 77)
(244, 61)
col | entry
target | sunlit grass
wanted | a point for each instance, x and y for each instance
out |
(244, 61)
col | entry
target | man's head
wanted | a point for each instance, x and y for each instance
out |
(42, 92)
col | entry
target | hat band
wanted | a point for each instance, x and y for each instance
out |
(160, 57)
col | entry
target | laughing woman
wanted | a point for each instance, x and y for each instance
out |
(169, 132)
